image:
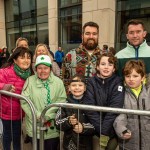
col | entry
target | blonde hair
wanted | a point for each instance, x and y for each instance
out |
(21, 39)
(35, 52)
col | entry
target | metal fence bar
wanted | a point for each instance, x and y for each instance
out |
(34, 125)
(86, 107)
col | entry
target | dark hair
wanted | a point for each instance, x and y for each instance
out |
(138, 65)
(105, 46)
(91, 24)
(112, 59)
(80, 78)
(112, 50)
(135, 22)
(19, 51)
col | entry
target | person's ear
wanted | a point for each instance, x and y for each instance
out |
(143, 79)
(127, 36)
(84, 88)
(144, 34)
(68, 88)
(14, 61)
(114, 70)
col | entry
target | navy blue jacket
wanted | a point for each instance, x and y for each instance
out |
(104, 92)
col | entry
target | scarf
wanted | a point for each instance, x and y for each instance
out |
(24, 74)
(46, 85)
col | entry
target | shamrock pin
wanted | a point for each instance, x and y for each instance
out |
(42, 58)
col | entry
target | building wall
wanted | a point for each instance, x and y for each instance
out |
(102, 12)
(53, 24)
(2, 25)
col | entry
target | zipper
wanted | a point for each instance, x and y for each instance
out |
(139, 117)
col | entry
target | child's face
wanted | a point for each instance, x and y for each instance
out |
(105, 68)
(134, 79)
(77, 88)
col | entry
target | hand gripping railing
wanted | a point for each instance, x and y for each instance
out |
(32, 112)
(86, 107)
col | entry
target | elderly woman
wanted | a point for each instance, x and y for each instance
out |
(42, 89)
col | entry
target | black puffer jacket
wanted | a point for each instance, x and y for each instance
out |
(108, 93)
(70, 137)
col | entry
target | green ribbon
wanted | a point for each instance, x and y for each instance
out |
(46, 85)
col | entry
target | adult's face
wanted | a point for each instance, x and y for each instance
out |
(23, 43)
(23, 62)
(43, 71)
(136, 34)
(90, 38)
(41, 50)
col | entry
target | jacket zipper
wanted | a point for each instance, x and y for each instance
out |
(139, 117)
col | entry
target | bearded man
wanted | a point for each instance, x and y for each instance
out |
(82, 60)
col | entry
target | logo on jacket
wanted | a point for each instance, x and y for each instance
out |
(120, 88)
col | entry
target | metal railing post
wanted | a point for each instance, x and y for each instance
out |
(34, 126)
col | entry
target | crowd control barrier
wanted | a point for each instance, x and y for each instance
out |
(34, 125)
(85, 107)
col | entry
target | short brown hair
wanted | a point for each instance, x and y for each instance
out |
(138, 65)
(80, 78)
(91, 24)
(112, 59)
(135, 22)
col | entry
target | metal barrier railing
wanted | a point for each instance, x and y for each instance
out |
(34, 126)
(86, 107)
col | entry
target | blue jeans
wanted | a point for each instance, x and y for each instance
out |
(11, 133)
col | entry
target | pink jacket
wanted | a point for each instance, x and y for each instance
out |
(10, 109)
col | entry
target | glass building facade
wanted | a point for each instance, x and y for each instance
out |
(69, 23)
(26, 18)
(29, 19)
(131, 9)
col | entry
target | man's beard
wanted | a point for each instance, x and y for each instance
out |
(88, 45)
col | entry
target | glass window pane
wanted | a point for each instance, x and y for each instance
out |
(42, 30)
(42, 7)
(70, 24)
(12, 10)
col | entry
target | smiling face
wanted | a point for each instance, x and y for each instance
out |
(136, 34)
(24, 61)
(105, 68)
(41, 50)
(43, 71)
(90, 38)
(77, 88)
(134, 79)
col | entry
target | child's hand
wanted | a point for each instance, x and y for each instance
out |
(127, 135)
(78, 128)
(73, 120)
